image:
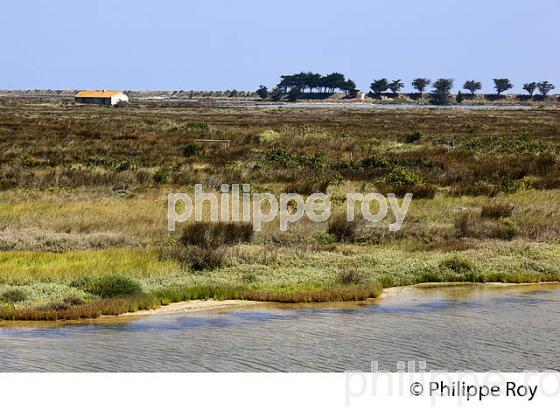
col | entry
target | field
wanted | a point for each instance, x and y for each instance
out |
(83, 202)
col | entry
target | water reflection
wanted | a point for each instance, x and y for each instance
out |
(457, 328)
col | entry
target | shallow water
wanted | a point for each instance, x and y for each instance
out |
(365, 106)
(458, 328)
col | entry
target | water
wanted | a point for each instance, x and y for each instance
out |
(460, 328)
(250, 104)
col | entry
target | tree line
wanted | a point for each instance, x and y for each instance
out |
(295, 86)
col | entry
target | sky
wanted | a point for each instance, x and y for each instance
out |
(225, 44)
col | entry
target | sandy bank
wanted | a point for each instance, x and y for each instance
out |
(193, 306)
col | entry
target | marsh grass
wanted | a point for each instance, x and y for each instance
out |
(73, 210)
(117, 306)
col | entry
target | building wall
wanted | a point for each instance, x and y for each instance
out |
(89, 100)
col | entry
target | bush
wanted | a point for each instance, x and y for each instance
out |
(464, 223)
(457, 265)
(307, 187)
(207, 259)
(196, 125)
(413, 137)
(113, 286)
(426, 191)
(350, 277)
(13, 296)
(73, 301)
(161, 175)
(507, 230)
(192, 150)
(214, 234)
(401, 176)
(342, 229)
(496, 210)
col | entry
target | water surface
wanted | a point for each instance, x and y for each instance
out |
(460, 328)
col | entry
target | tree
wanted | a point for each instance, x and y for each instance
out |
(294, 94)
(276, 93)
(441, 90)
(379, 86)
(501, 85)
(350, 89)
(530, 88)
(420, 84)
(395, 86)
(472, 86)
(459, 98)
(545, 87)
(262, 92)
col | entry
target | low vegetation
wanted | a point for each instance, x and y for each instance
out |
(83, 228)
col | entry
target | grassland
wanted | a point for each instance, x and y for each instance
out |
(83, 202)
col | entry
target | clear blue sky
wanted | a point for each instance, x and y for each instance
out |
(239, 44)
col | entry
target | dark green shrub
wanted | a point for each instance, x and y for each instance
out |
(374, 162)
(196, 125)
(13, 296)
(73, 301)
(207, 259)
(413, 137)
(350, 277)
(507, 230)
(307, 187)
(214, 234)
(426, 191)
(401, 176)
(457, 265)
(127, 164)
(113, 286)
(342, 229)
(192, 150)
(161, 175)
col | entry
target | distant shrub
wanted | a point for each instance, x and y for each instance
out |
(13, 296)
(457, 265)
(413, 137)
(191, 150)
(307, 187)
(507, 229)
(496, 210)
(215, 234)
(350, 277)
(285, 158)
(464, 222)
(73, 301)
(269, 136)
(161, 175)
(196, 125)
(426, 191)
(207, 259)
(342, 229)
(113, 286)
(374, 162)
(249, 277)
(401, 176)
(127, 164)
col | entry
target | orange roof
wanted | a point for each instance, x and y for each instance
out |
(97, 94)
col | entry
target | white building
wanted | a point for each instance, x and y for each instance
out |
(101, 97)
